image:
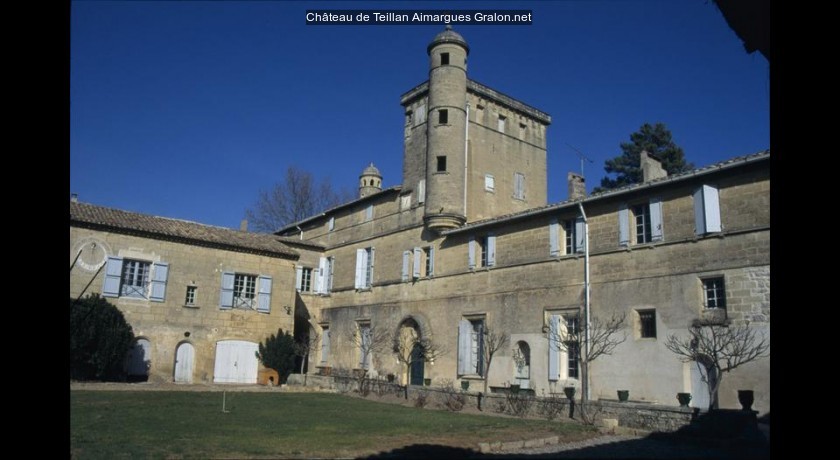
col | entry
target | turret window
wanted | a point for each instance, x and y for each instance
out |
(444, 58)
(441, 163)
(443, 116)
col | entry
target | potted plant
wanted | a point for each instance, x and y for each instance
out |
(746, 398)
(623, 395)
(684, 399)
(390, 378)
(570, 392)
(514, 388)
(465, 385)
(427, 382)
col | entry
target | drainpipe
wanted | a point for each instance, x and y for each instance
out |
(586, 297)
(300, 230)
(466, 139)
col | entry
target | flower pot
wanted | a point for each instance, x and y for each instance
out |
(623, 395)
(390, 378)
(427, 382)
(570, 392)
(514, 389)
(465, 385)
(746, 398)
(684, 399)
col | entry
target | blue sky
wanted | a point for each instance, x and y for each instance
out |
(188, 109)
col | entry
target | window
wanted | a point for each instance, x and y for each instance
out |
(501, 125)
(325, 344)
(646, 224)
(489, 183)
(405, 201)
(408, 117)
(485, 248)
(245, 291)
(369, 212)
(420, 116)
(471, 347)
(331, 224)
(441, 163)
(564, 346)
(421, 191)
(364, 268)
(647, 324)
(444, 58)
(364, 346)
(715, 295)
(706, 210)
(573, 347)
(523, 129)
(423, 263)
(303, 283)
(443, 116)
(519, 186)
(324, 275)
(429, 255)
(135, 279)
(190, 298)
(574, 235)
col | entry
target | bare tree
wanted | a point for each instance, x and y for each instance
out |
(298, 196)
(493, 342)
(406, 340)
(306, 345)
(717, 348)
(369, 339)
(605, 334)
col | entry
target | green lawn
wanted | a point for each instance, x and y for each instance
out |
(129, 424)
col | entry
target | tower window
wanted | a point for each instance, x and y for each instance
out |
(441, 163)
(501, 126)
(444, 58)
(443, 116)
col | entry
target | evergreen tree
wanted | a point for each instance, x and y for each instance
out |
(278, 353)
(99, 339)
(656, 139)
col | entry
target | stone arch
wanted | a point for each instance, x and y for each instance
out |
(522, 364)
(703, 376)
(138, 360)
(184, 365)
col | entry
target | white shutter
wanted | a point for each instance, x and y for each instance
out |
(264, 297)
(656, 230)
(563, 355)
(320, 276)
(471, 250)
(421, 191)
(464, 347)
(553, 352)
(226, 296)
(371, 262)
(417, 259)
(580, 234)
(299, 278)
(406, 258)
(711, 204)
(623, 225)
(699, 212)
(113, 271)
(554, 237)
(369, 212)
(431, 261)
(325, 345)
(328, 274)
(491, 250)
(361, 265)
(160, 271)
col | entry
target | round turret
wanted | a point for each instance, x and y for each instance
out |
(370, 181)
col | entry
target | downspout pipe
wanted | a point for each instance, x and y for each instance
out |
(300, 230)
(586, 289)
(466, 141)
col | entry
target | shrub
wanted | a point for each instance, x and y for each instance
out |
(552, 406)
(519, 403)
(421, 399)
(99, 339)
(453, 399)
(278, 353)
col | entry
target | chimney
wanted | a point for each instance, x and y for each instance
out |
(243, 226)
(74, 197)
(651, 167)
(577, 186)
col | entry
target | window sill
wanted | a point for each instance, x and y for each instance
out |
(364, 289)
(471, 377)
(192, 307)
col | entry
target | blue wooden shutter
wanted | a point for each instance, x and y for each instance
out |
(264, 300)
(328, 281)
(321, 276)
(623, 225)
(711, 205)
(656, 230)
(431, 261)
(471, 251)
(580, 234)
(226, 297)
(491, 250)
(372, 258)
(554, 237)
(361, 265)
(417, 260)
(699, 212)
(160, 271)
(113, 271)
(325, 345)
(299, 278)
(369, 212)
(406, 259)
(464, 347)
(553, 347)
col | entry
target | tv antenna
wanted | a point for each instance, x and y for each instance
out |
(582, 158)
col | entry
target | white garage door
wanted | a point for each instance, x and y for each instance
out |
(236, 362)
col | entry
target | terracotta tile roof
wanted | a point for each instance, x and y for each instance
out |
(88, 215)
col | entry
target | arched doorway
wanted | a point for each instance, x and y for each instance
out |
(418, 365)
(522, 364)
(138, 361)
(411, 352)
(184, 359)
(702, 376)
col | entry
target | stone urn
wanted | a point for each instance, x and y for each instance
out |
(746, 398)
(570, 392)
(623, 395)
(684, 399)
